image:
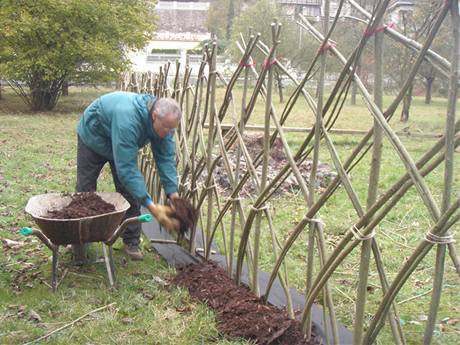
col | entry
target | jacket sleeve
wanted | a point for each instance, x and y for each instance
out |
(125, 153)
(164, 153)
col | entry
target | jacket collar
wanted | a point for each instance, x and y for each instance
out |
(150, 130)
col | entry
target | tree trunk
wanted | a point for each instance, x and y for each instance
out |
(41, 100)
(406, 104)
(429, 86)
(354, 91)
(65, 88)
(354, 88)
(230, 16)
(44, 98)
(280, 86)
(44, 94)
(0, 88)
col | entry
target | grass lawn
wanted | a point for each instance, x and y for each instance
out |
(37, 155)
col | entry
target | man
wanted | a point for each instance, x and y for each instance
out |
(112, 129)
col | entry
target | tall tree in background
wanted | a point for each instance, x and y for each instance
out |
(259, 17)
(230, 16)
(354, 33)
(442, 44)
(415, 24)
(47, 42)
(408, 58)
(220, 18)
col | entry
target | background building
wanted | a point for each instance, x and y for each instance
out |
(181, 28)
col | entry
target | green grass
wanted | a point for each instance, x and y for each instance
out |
(37, 155)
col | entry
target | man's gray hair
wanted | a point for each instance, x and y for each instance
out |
(165, 106)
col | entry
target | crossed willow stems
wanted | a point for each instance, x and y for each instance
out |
(196, 155)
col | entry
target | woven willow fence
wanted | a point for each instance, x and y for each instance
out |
(240, 221)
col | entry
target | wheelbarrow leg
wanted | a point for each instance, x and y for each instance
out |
(54, 280)
(112, 264)
(109, 263)
(53, 247)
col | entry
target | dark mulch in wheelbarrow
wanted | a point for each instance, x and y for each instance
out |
(83, 205)
(240, 314)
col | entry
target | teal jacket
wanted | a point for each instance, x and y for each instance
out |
(116, 126)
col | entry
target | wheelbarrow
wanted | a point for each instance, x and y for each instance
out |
(104, 228)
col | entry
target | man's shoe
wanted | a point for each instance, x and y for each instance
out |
(133, 252)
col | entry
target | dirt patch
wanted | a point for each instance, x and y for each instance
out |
(277, 161)
(83, 205)
(255, 143)
(240, 314)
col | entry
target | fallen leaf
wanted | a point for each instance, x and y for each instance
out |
(124, 262)
(160, 281)
(184, 309)
(33, 316)
(126, 320)
(415, 323)
(422, 317)
(370, 289)
(147, 296)
(10, 244)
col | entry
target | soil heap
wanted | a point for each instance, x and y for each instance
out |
(82, 205)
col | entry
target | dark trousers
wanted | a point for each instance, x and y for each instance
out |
(89, 166)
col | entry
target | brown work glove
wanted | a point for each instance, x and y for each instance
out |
(163, 215)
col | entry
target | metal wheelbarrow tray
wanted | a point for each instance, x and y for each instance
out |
(105, 228)
(78, 230)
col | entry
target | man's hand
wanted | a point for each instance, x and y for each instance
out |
(163, 215)
(171, 197)
(174, 195)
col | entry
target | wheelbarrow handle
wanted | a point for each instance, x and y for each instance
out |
(29, 231)
(143, 218)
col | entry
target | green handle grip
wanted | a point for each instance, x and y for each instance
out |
(144, 218)
(26, 231)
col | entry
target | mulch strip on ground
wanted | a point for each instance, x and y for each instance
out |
(240, 314)
(82, 205)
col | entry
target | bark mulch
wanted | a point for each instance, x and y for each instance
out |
(185, 213)
(240, 314)
(82, 205)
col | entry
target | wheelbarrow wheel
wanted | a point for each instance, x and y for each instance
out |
(79, 254)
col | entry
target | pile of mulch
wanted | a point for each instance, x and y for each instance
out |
(82, 205)
(240, 314)
(277, 161)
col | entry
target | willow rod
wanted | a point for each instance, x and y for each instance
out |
(439, 229)
(448, 173)
(313, 210)
(388, 114)
(392, 196)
